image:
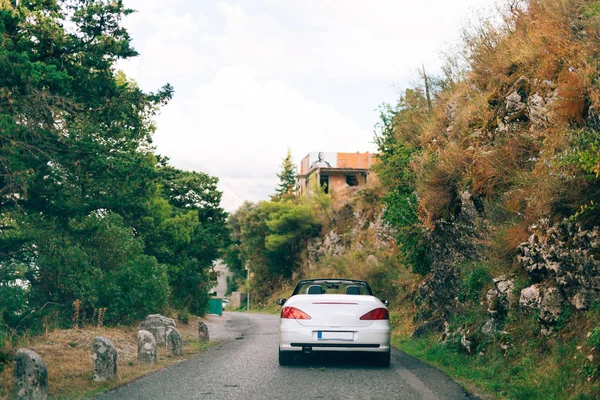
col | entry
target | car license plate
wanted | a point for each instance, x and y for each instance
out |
(335, 335)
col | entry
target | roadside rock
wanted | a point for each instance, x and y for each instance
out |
(548, 300)
(333, 244)
(566, 256)
(146, 347)
(468, 344)
(105, 360)
(492, 326)
(531, 297)
(203, 332)
(158, 325)
(30, 376)
(505, 286)
(538, 112)
(498, 299)
(551, 309)
(175, 342)
(514, 104)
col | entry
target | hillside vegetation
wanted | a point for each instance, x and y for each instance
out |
(489, 185)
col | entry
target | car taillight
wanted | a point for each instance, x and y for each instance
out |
(294, 313)
(378, 313)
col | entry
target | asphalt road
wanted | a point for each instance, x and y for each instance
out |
(244, 366)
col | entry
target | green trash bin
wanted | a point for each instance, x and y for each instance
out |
(215, 306)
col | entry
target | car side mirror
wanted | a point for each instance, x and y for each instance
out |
(281, 301)
(385, 302)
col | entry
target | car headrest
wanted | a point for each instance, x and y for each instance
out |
(352, 290)
(314, 289)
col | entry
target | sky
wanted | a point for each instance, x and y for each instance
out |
(254, 78)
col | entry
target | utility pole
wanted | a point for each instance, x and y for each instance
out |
(427, 93)
(248, 288)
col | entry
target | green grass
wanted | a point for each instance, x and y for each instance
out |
(533, 368)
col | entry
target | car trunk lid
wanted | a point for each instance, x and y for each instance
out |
(335, 311)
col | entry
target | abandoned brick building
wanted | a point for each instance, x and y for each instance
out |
(337, 173)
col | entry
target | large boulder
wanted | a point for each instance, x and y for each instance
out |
(105, 360)
(158, 325)
(146, 347)
(31, 376)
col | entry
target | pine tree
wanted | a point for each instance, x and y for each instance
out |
(287, 177)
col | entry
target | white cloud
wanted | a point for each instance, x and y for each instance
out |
(238, 68)
(239, 127)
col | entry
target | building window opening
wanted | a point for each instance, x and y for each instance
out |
(324, 183)
(351, 180)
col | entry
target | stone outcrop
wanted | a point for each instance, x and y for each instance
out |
(333, 244)
(531, 297)
(550, 303)
(565, 256)
(551, 310)
(436, 295)
(30, 376)
(538, 111)
(146, 347)
(468, 343)
(355, 227)
(174, 342)
(498, 301)
(158, 325)
(451, 242)
(514, 104)
(203, 332)
(460, 339)
(105, 360)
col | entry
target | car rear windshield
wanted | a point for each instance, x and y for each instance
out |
(323, 286)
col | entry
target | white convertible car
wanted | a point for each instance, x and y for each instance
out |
(334, 315)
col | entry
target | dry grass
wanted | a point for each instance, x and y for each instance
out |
(68, 356)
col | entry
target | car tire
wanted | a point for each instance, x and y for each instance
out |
(382, 359)
(286, 357)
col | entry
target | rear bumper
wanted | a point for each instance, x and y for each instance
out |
(374, 338)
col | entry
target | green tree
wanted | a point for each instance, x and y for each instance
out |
(397, 142)
(270, 238)
(87, 210)
(287, 178)
(185, 230)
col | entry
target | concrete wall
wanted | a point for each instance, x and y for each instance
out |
(237, 300)
(222, 273)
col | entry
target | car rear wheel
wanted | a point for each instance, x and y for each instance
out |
(286, 357)
(382, 359)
